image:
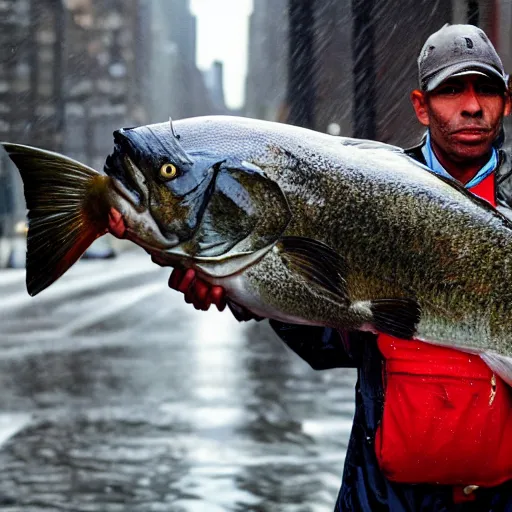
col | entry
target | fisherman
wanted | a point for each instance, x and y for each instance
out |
(433, 426)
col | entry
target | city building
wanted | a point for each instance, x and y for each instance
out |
(73, 71)
(364, 64)
(265, 91)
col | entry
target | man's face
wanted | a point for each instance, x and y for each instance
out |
(463, 114)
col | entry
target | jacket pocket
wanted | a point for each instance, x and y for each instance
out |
(440, 429)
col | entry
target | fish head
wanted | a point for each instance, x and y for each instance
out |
(158, 192)
(201, 204)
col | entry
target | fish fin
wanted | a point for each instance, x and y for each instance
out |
(316, 262)
(501, 365)
(396, 317)
(242, 314)
(64, 213)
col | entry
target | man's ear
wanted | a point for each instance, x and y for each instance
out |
(419, 102)
(508, 105)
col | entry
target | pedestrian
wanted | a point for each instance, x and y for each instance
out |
(432, 428)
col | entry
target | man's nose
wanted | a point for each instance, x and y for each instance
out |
(471, 103)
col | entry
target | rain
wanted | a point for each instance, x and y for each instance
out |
(116, 394)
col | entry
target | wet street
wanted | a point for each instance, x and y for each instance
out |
(119, 396)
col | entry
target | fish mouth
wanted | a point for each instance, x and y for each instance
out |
(122, 170)
(128, 218)
(127, 194)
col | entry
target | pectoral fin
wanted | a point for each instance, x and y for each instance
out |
(316, 262)
(322, 267)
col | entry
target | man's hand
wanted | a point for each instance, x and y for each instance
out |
(202, 294)
(197, 292)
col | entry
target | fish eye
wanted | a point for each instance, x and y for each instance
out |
(168, 171)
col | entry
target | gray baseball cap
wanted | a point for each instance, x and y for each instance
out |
(456, 50)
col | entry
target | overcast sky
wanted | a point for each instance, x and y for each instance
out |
(222, 32)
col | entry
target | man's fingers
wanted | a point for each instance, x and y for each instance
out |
(218, 297)
(176, 277)
(196, 291)
(186, 281)
(201, 289)
(201, 292)
(207, 301)
(190, 296)
(221, 306)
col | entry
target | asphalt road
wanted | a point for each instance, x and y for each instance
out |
(118, 396)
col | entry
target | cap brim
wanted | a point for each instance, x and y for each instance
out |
(464, 68)
(471, 72)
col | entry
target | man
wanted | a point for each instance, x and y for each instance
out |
(432, 425)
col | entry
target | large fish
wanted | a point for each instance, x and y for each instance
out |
(296, 225)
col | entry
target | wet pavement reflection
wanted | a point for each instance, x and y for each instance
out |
(118, 396)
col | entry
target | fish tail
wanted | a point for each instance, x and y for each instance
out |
(67, 210)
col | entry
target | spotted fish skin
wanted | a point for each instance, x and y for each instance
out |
(400, 230)
(296, 225)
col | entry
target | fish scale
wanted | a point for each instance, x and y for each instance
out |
(296, 225)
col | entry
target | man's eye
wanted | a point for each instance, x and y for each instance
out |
(449, 90)
(489, 89)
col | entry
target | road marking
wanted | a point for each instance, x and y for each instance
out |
(68, 286)
(11, 424)
(122, 301)
(10, 276)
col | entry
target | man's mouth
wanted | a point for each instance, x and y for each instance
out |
(472, 129)
(471, 134)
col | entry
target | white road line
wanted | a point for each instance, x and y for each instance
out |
(70, 286)
(117, 304)
(11, 276)
(11, 424)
